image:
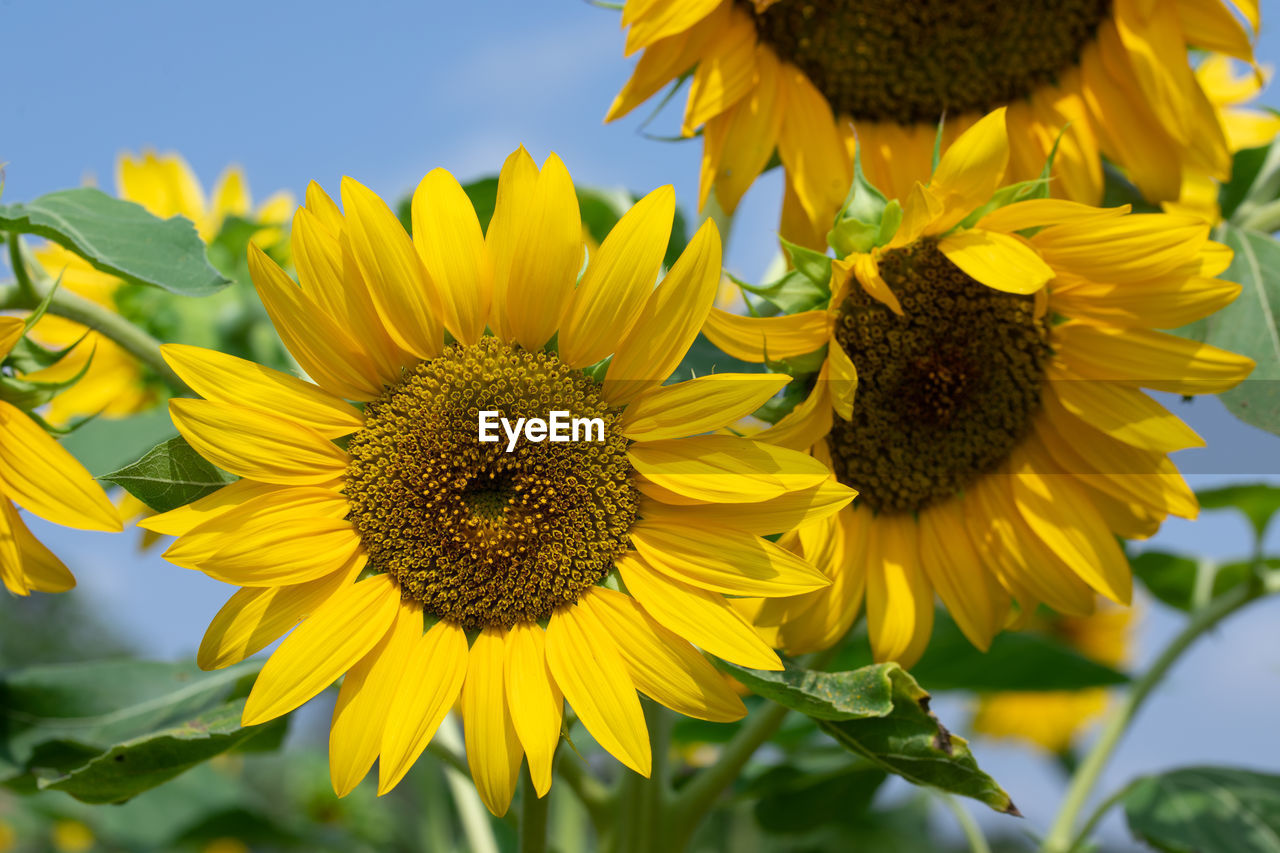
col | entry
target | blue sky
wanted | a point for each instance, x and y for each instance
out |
(312, 91)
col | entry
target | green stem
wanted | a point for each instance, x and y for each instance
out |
(533, 816)
(697, 797)
(972, 832)
(591, 792)
(642, 801)
(106, 322)
(25, 284)
(1062, 836)
(1098, 813)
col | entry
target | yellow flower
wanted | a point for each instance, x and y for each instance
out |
(164, 184)
(1000, 439)
(1245, 128)
(803, 77)
(72, 836)
(511, 551)
(39, 475)
(1051, 719)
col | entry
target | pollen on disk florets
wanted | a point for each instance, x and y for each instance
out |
(911, 61)
(945, 391)
(481, 536)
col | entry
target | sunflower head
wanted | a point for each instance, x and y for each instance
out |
(520, 512)
(997, 341)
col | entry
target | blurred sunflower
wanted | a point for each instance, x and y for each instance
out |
(1052, 719)
(511, 558)
(803, 76)
(114, 385)
(1245, 128)
(1000, 440)
(40, 476)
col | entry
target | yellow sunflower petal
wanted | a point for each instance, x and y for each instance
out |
(1038, 212)
(618, 280)
(432, 679)
(1059, 514)
(516, 184)
(837, 545)
(181, 520)
(725, 469)
(1138, 247)
(1148, 359)
(217, 376)
(899, 597)
(254, 618)
(40, 475)
(337, 634)
(760, 339)
(698, 405)
(493, 747)
(359, 717)
(959, 574)
(752, 131)
(867, 272)
(726, 73)
(843, 381)
(258, 445)
(447, 235)
(1123, 413)
(534, 700)
(406, 297)
(971, 169)
(666, 19)
(11, 568)
(724, 560)
(809, 422)
(703, 618)
(44, 572)
(1000, 261)
(812, 149)
(664, 666)
(584, 658)
(537, 274)
(11, 329)
(324, 349)
(1165, 303)
(669, 320)
(771, 516)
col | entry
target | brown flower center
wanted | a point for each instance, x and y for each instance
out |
(481, 536)
(910, 61)
(945, 391)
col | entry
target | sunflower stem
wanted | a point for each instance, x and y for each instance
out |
(972, 832)
(533, 815)
(700, 794)
(27, 295)
(1062, 836)
(642, 802)
(591, 792)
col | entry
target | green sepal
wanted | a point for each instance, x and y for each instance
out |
(26, 394)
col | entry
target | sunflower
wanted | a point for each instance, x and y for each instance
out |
(1000, 439)
(1052, 719)
(1245, 128)
(804, 76)
(40, 476)
(542, 572)
(114, 385)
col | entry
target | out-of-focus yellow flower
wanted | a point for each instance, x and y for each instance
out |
(72, 836)
(8, 837)
(1052, 719)
(164, 184)
(1228, 92)
(226, 845)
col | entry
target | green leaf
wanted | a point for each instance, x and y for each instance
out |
(120, 238)
(881, 713)
(793, 801)
(107, 730)
(170, 475)
(1249, 326)
(1254, 174)
(815, 266)
(1018, 660)
(792, 293)
(1174, 579)
(1258, 502)
(1207, 810)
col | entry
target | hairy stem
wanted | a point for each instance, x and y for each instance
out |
(1062, 836)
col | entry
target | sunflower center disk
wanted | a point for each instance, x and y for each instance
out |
(910, 61)
(481, 536)
(945, 392)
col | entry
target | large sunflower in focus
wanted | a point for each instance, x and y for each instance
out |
(429, 565)
(1000, 439)
(40, 476)
(114, 385)
(805, 75)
